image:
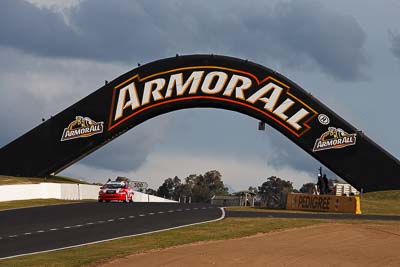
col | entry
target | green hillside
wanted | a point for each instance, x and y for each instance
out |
(384, 202)
(8, 180)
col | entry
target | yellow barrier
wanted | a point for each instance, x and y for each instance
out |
(327, 203)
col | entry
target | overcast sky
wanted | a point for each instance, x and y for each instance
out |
(346, 53)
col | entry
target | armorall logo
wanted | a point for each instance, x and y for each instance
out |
(268, 96)
(82, 127)
(334, 138)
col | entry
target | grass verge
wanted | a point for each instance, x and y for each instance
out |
(386, 202)
(99, 253)
(35, 202)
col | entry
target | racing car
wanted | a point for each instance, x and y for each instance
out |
(116, 191)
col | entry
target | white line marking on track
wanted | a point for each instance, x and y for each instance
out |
(110, 220)
(100, 241)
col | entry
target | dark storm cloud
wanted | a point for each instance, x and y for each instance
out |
(395, 40)
(122, 154)
(286, 153)
(126, 153)
(295, 34)
(39, 31)
(16, 123)
(131, 150)
(33, 88)
(333, 41)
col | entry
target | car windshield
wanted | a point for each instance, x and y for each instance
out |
(114, 186)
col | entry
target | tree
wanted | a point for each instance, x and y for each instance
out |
(207, 185)
(253, 189)
(167, 189)
(191, 180)
(199, 187)
(200, 191)
(214, 183)
(183, 190)
(307, 188)
(275, 185)
(274, 191)
(151, 191)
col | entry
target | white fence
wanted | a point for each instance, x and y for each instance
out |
(62, 191)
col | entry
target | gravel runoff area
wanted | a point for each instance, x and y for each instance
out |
(321, 245)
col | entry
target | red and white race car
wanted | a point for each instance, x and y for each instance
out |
(116, 190)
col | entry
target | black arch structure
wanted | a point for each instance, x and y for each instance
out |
(202, 81)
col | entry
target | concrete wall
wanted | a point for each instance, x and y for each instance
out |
(13, 192)
(142, 197)
(62, 191)
(48, 190)
(87, 192)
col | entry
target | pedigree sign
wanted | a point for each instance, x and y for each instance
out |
(328, 203)
(267, 95)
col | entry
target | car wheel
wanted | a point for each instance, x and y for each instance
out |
(107, 200)
(126, 198)
(100, 200)
(131, 199)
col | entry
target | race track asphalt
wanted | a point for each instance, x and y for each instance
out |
(31, 230)
(39, 229)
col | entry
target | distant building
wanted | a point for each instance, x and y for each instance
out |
(247, 198)
(342, 189)
(225, 201)
(242, 198)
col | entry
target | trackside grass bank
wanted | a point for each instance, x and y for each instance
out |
(91, 255)
(9, 180)
(385, 202)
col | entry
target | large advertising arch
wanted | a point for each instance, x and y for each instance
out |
(202, 81)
